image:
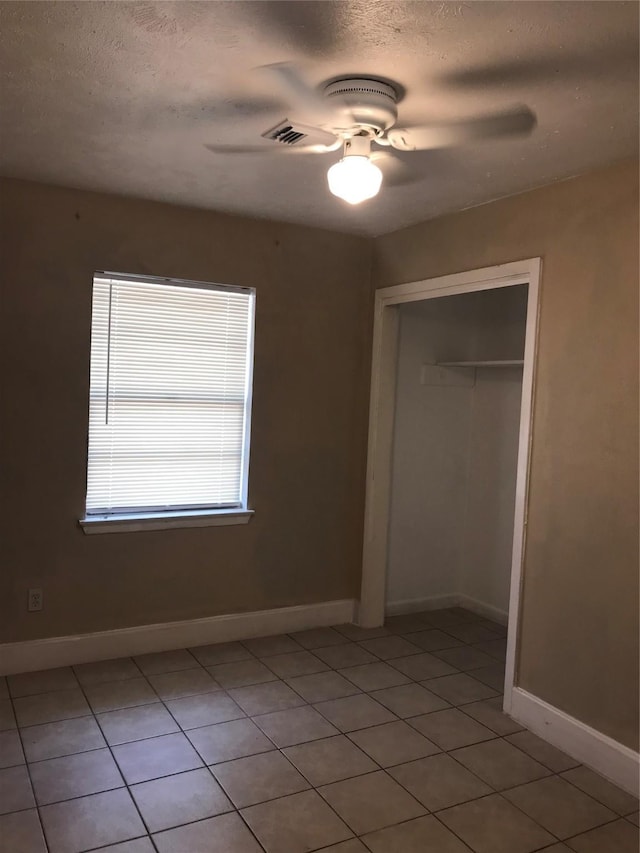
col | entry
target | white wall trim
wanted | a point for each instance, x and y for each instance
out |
(484, 609)
(123, 642)
(140, 521)
(603, 754)
(416, 605)
(525, 441)
(436, 602)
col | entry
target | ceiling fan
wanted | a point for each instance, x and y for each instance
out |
(355, 113)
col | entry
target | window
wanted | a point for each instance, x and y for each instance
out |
(170, 398)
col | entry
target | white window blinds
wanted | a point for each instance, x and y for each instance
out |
(171, 366)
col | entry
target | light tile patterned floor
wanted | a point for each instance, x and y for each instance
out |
(388, 740)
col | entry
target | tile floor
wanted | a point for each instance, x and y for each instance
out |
(335, 739)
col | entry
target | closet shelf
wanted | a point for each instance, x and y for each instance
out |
(518, 362)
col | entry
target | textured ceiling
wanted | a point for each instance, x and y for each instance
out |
(122, 96)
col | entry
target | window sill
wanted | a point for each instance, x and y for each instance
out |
(136, 522)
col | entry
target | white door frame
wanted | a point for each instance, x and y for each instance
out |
(381, 418)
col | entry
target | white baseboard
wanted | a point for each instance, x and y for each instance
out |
(603, 754)
(123, 642)
(415, 605)
(436, 602)
(482, 609)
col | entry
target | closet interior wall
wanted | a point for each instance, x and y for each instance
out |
(455, 450)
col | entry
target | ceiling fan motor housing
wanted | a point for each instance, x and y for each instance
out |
(372, 103)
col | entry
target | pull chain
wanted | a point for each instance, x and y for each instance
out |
(106, 399)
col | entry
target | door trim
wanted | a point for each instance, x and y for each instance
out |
(380, 441)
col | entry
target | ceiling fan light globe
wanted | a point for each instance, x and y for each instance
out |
(354, 179)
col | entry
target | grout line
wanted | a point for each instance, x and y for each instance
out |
(246, 823)
(73, 667)
(626, 815)
(33, 791)
(562, 840)
(219, 783)
(436, 815)
(106, 846)
(126, 786)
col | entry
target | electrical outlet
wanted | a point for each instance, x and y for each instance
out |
(34, 601)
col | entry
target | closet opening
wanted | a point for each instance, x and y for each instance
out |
(449, 441)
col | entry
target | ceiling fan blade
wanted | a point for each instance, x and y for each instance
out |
(313, 28)
(242, 107)
(396, 172)
(520, 121)
(308, 103)
(208, 110)
(271, 150)
(609, 61)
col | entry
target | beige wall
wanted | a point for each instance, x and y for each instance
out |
(309, 415)
(579, 638)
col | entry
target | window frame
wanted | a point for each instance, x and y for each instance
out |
(142, 518)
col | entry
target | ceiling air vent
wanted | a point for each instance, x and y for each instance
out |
(293, 133)
(286, 133)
